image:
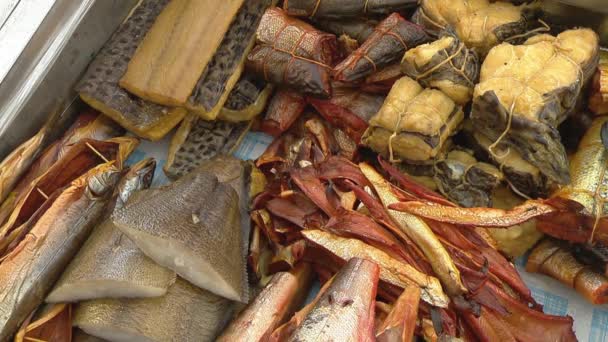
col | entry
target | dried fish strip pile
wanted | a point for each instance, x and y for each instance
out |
(445, 64)
(526, 91)
(480, 24)
(99, 86)
(413, 124)
(223, 71)
(294, 54)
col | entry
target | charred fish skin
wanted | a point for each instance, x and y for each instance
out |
(186, 313)
(278, 300)
(202, 240)
(345, 312)
(109, 264)
(30, 271)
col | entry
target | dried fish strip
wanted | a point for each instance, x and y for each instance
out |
(99, 86)
(282, 68)
(420, 233)
(518, 239)
(198, 140)
(414, 123)
(525, 91)
(479, 24)
(391, 38)
(445, 64)
(247, 100)
(392, 271)
(222, 72)
(345, 8)
(173, 55)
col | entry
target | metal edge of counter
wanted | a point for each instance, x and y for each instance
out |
(52, 62)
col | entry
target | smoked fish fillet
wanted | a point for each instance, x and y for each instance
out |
(170, 60)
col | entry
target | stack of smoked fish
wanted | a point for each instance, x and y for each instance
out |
(417, 147)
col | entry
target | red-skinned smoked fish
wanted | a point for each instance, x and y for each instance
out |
(277, 301)
(346, 311)
(400, 323)
(391, 38)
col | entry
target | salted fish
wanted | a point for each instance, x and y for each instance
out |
(198, 140)
(99, 86)
(186, 313)
(109, 265)
(175, 51)
(197, 226)
(29, 271)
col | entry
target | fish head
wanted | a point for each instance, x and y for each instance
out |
(101, 180)
(138, 177)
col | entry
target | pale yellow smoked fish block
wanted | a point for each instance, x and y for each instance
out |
(174, 53)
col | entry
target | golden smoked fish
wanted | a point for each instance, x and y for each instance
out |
(196, 226)
(41, 193)
(284, 294)
(109, 264)
(345, 312)
(182, 41)
(99, 86)
(185, 314)
(17, 163)
(29, 271)
(392, 270)
(420, 233)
